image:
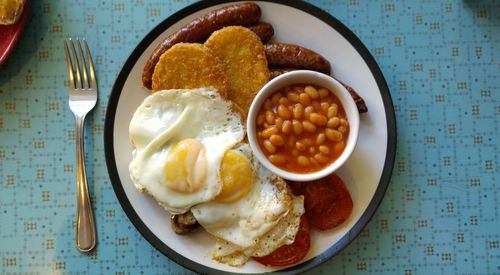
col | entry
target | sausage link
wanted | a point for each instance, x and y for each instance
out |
(282, 55)
(263, 30)
(184, 223)
(360, 102)
(277, 72)
(200, 29)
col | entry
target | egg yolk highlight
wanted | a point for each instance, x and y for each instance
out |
(237, 177)
(186, 166)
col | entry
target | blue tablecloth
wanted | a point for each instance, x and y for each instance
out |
(440, 214)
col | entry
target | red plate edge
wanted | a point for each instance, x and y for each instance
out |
(9, 34)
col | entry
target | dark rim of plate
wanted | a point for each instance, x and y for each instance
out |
(308, 8)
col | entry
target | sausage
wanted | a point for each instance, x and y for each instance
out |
(263, 30)
(200, 29)
(280, 55)
(276, 72)
(184, 223)
(360, 102)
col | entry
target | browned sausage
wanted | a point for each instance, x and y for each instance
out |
(360, 102)
(263, 30)
(280, 55)
(276, 72)
(200, 29)
(184, 223)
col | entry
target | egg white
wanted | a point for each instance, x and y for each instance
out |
(241, 226)
(168, 117)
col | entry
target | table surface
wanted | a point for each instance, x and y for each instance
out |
(440, 215)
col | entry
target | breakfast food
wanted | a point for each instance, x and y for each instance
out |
(291, 253)
(184, 223)
(263, 30)
(242, 55)
(190, 154)
(187, 66)
(360, 102)
(281, 55)
(302, 128)
(10, 11)
(177, 150)
(327, 201)
(252, 204)
(201, 28)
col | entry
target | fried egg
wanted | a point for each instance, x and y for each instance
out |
(251, 203)
(180, 138)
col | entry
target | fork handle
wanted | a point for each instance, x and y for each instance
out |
(85, 225)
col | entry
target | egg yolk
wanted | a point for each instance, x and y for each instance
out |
(186, 166)
(236, 174)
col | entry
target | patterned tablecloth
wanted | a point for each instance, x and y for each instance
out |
(440, 214)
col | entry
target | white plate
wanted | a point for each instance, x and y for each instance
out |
(366, 173)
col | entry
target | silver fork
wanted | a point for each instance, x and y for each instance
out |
(82, 99)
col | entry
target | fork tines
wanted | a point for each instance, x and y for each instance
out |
(78, 66)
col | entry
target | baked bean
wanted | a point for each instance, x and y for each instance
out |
(284, 101)
(308, 126)
(323, 92)
(268, 105)
(293, 96)
(324, 107)
(333, 135)
(300, 146)
(286, 128)
(333, 122)
(311, 91)
(307, 141)
(277, 140)
(342, 129)
(339, 147)
(312, 150)
(270, 117)
(283, 112)
(332, 111)
(303, 160)
(318, 119)
(324, 149)
(298, 111)
(277, 158)
(268, 132)
(320, 138)
(304, 99)
(321, 158)
(297, 127)
(276, 98)
(343, 122)
(313, 161)
(269, 146)
(308, 111)
(260, 119)
(278, 122)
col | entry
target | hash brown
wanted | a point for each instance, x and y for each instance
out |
(188, 66)
(245, 65)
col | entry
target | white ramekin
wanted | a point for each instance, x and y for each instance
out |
(316, 79)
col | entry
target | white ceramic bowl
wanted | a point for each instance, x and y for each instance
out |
(313, 78)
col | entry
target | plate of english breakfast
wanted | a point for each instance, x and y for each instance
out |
(250, 136)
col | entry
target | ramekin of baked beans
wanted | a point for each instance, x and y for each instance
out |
(303, 125)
